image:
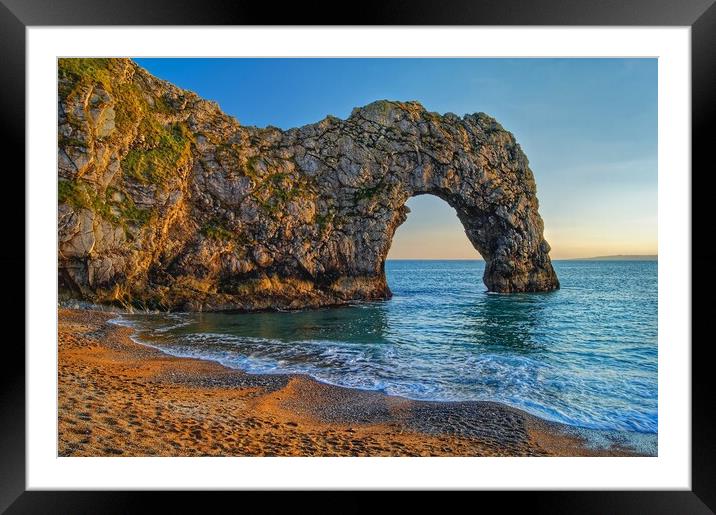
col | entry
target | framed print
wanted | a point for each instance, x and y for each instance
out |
(427, 251)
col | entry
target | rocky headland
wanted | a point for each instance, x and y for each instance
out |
(165, 202)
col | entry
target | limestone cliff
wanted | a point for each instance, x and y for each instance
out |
(166, 202)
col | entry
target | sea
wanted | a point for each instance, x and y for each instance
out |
(584, 355)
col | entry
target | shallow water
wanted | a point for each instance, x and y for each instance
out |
(585, 355)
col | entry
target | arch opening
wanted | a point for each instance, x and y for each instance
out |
(502, 228)
(431, 231)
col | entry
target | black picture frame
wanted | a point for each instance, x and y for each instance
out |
(17, 15)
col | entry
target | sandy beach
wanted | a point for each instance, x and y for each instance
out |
(120, 398)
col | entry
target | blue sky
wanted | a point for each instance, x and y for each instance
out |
(588, 127)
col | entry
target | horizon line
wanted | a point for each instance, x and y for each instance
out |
(553, 259)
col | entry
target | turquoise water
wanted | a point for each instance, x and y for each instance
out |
(585, 355)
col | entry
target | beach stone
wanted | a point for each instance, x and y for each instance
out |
(215, 215)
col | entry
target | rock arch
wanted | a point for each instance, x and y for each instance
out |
(471, 163)
(181, 207)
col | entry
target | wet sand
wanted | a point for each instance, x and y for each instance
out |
(120, 398)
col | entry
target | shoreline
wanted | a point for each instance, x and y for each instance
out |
(119, 397)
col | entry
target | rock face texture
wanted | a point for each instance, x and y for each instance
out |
(165, 202)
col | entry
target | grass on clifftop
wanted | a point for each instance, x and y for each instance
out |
(162, 148)
(83, 71)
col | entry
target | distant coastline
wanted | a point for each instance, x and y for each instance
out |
(616, 257)
(621, 257)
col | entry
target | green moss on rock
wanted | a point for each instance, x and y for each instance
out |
(215, 231)
(81, 195)
(70, 192)
(165, 148)
(324, 220)
(369, 192)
